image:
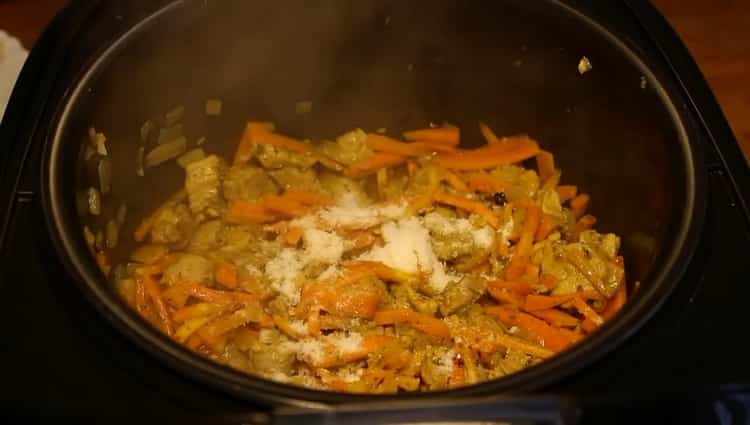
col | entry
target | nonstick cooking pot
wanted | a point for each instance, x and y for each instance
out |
(618, 131)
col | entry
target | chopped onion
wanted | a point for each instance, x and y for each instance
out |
(93, 137)
(584, 65)
(174, 116)
(111, 234)
(191, 156)
(105, 175)
(122, 213)
(99, 241)
(165, 152)
(139, 162)
(88, 235)
(146, 130)
(201, 141)
(95, 201)
(213, 107)
(303, 107)
(168, 134)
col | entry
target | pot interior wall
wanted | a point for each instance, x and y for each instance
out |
(395, 65)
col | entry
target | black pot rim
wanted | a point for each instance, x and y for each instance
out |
(80, 265)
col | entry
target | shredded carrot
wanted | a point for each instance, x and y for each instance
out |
(458, 374)
(225, 274)
(587, 311)
(545, 162)
(247, 143)
(504, 295)
(556, 318)
(455, 181)
(194, 342)
(313, 322)
(308, 198)
(584, 223)
(615, 304)
(411, 168)
(197, 310)
(245, 212)
(485, 183)
(153, 291)
(381, 179)
(448, 135)
(488, 134)
(375, 162)
(284, 206)
(293, 235)
(547, 225)
(430, 147)
(422, 322)
(509, 151)
(362, 239)
(103, 262)
(217, 328)
(469, 205)
(544, 302)
(548, 336)
(579, 204)
(550, 281)
(520, 258)
(589, 326)
(567, 192)
(381, 143)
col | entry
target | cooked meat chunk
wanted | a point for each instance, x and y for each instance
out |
(203, 185)
(274, 157)
(297, 179)
(205, 238)
(189, 268)
(348, 148)
(173, 225)
(247, 183)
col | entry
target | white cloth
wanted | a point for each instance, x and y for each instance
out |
(12, 57)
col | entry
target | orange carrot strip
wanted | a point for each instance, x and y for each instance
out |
(616, 303)
(589, 326)
(247, 143)
(362, 239)
(225, 274)
(422, 322)
(547, 224)
(411, 168)
(579, 204)
(510, 151)
(448, 135)
(520, 288)
(469, 205)
(293, 236)
(544, 302)
(556, 318)
(458, 374)
(245, 212)
(455, 181)
(506, 296)
(103, 262)
(430, 147)
(485, 183)
(488, 134)
(587, 311)
(197, 310)
(545, 162)
(308, 198)
(586, 222)
(381, 143)
(550, 281)
(567, 192)
(548, 336)
(284, 206)
(214, 330)
(194, 341)
(517, 265)
(153, 291)
(375, 162)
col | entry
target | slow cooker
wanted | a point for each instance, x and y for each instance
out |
(640, 130)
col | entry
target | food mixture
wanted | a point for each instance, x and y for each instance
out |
(375, 265)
